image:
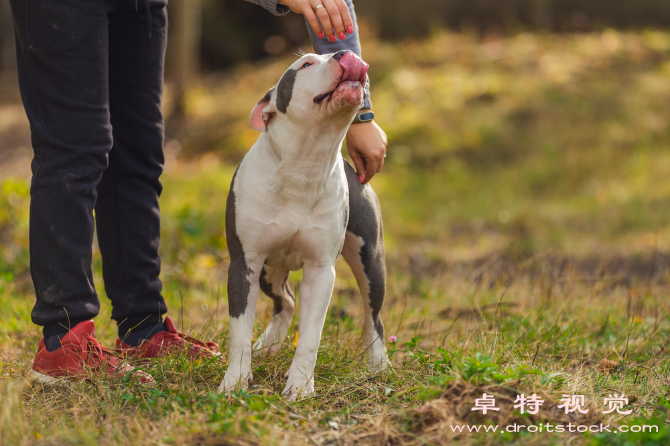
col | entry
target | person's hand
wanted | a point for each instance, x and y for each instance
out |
(333, 16)
(366, 143)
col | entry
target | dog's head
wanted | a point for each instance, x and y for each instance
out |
(314, 88)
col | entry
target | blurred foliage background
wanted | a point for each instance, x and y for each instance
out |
(516, 127)
(235, 30)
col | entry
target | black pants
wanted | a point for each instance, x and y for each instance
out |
(91, 80)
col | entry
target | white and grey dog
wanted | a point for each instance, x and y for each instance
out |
(295, 203)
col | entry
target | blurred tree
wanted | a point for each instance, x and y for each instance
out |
(235, 30)
(542, 13)
(183, 61)
(7, 50)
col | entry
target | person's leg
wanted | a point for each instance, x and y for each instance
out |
(62, 64)
(127, 211)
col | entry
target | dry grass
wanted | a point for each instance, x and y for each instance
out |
(549, 346)
(527, 227)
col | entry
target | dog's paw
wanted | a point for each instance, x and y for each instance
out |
(261, 349)
(272, 338)
(231, 383)
(293, 392)
(297, 387)
(379, 363)
(259, 346)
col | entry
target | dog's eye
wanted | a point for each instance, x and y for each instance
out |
(307, 64)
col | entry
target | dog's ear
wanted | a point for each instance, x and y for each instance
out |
(262, 112)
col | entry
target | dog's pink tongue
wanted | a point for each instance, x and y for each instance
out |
(354, 68)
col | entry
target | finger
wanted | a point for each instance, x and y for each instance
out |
(370, 169)
(335, 17)
(324, 18)
(381, 163)
(359, 163)
(309, 14)
(384, 146)
(346, 16)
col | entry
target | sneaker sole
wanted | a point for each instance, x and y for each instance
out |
(46, 379)
(53, 381)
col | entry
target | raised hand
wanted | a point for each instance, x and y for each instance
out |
(333, 14)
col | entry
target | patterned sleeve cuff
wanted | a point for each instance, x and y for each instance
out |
(272, 6)
(367, 103)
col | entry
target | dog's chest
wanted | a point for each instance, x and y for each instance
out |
(293, 237)
(289, 231)
(292, 252)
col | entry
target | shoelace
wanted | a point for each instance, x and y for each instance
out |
(97, 354)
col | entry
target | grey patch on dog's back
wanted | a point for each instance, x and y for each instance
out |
(238, 271)
(365, 221)
(267, 96)
(285, 89)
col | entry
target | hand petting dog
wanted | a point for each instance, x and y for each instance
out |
(366, 142)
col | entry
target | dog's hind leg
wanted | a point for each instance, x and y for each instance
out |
(363, 250)
(274, 283)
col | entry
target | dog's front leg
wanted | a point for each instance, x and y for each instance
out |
(315, 291)
(243, 291)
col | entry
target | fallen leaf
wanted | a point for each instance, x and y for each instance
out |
(606, 366)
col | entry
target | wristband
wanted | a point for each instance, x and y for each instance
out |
(364, 116)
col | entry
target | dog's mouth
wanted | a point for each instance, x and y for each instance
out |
(327, 96)
(354, 73)
(322, 97)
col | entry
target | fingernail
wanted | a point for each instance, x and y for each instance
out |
(341, 36)
(360, 178)
(350, 29)
(332, 38)
(320, 35)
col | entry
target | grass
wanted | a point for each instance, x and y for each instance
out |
(525, 202)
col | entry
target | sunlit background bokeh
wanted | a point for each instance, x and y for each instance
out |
(516, 130)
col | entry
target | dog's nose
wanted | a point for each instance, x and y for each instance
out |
(337, 56)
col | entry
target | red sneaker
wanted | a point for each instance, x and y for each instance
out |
(80, 357)
(168, 342)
